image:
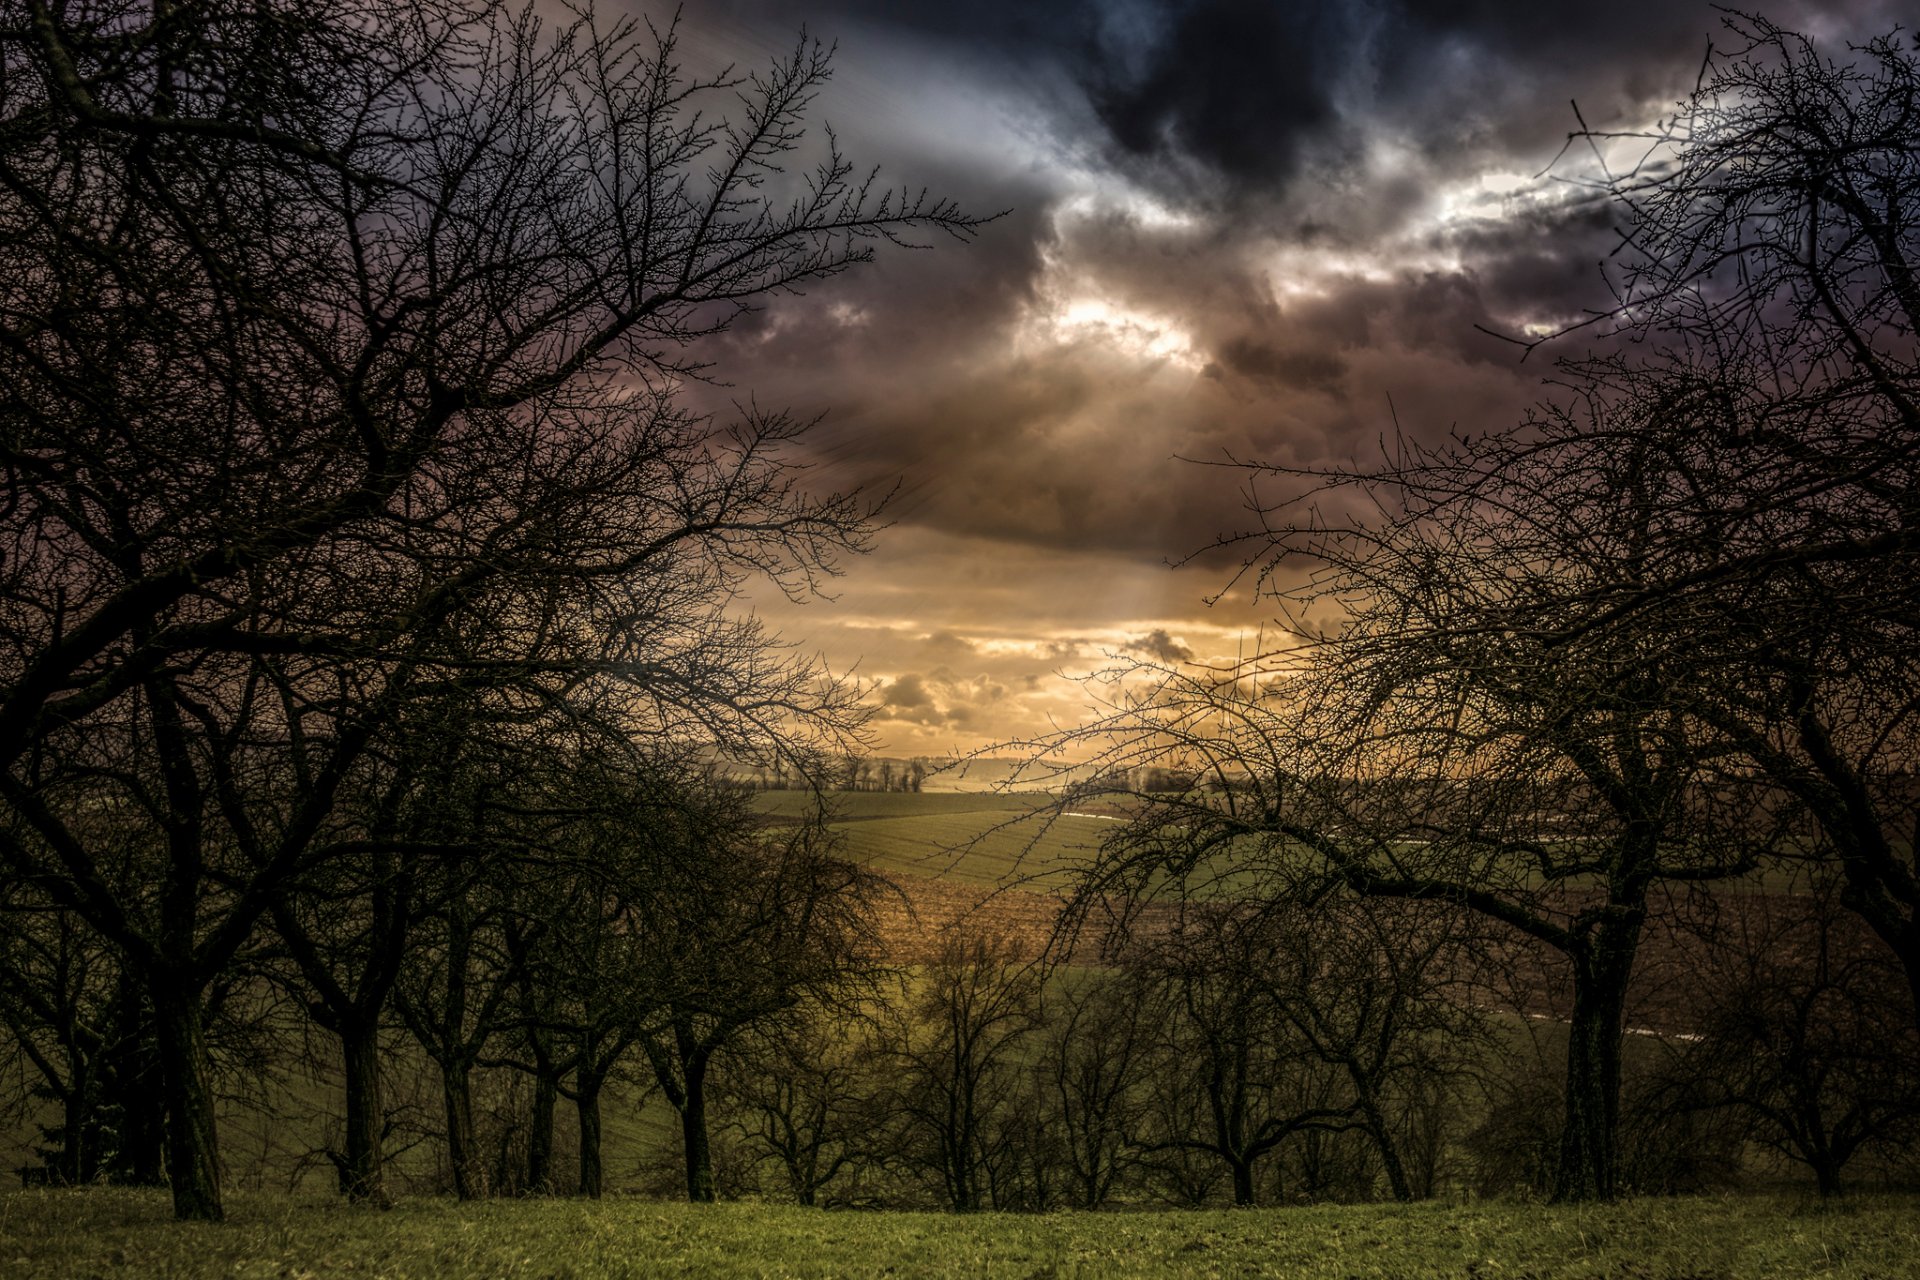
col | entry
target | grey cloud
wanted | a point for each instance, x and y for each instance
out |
(907, 693)
(939, 697)
(1230, 104)
(1267, 362)
(1160, 646)
(947, 642)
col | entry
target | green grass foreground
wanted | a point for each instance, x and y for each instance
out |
(113, 1234)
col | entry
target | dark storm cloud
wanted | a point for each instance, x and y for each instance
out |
(1226, 86)
(939, 698)
(1270, 362)
(907, 693)
(1237, 101)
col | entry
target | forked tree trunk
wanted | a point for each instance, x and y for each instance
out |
(456, 1091)
(1242, 1182)
(1396, 1169)
(682, 1072)
(1826, 1176)
(193, 1164)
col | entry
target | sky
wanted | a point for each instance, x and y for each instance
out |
(1232, 230)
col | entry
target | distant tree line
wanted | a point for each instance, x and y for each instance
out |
(852, 772)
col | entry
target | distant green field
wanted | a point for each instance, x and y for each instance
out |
(968, 838)
(994, 839)
(120, 1235)
(855, 805)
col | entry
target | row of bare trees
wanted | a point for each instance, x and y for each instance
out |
(344, 477)
(1344, 1047)
(1663, 634)
(1237, 1052)
(1338, 1046)
(643, 924)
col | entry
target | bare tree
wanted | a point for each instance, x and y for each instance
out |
(1097, 1043)
(74, 1015)
(1451, 738)
(457, 982)
(741, 926)
(1381, 990)
(338, 349)
(1802, 1026)
(806, 1090)
(586, 985)
(1770, 228)
(1228, 1042)
(957, 1038)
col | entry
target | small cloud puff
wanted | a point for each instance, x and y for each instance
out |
(1159, 645)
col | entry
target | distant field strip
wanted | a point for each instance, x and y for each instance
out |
(984, 840)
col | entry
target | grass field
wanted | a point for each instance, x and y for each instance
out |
(68, 1235)
(972, 838)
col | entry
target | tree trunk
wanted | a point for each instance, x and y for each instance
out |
(134, 1091)
(546, 1098)
(1390, 1160)
(1602, 963)
(964, 1177)
(80, 1139)
(362, 1176)
(587, 1103)
(457, 1091)
(1826, 1176)
(193, 1164)
(693, 1128)
(1242, 1182)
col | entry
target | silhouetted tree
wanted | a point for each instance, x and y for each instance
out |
(72, 1011)
(1380, 990)
(806, 1090)
(1770, 251)
(337, 364)
(1801, 1024)
(958, 1038)
(1096, 1047)
(742, 924)
(1225, 1040)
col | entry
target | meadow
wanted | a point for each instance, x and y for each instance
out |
(984, 839)
(102, 1234)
